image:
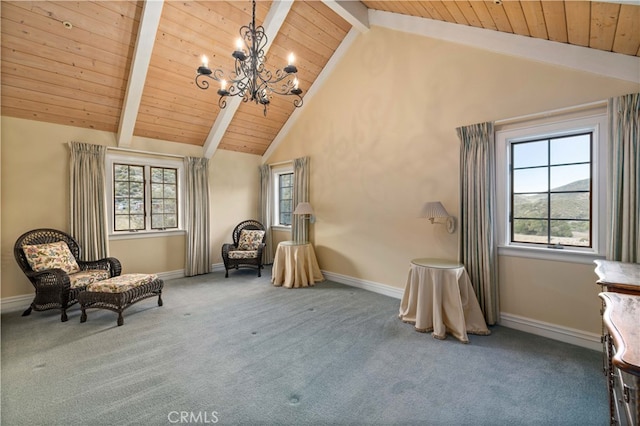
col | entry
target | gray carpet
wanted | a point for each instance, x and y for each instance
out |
(240, 351)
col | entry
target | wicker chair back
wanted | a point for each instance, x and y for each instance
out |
(42, 236)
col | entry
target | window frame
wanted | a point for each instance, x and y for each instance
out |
(594, 122)
(275, 180)
(147, 163)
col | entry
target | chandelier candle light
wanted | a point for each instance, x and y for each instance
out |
(250, 79)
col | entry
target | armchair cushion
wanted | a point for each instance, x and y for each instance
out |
(250, 239)
(51, 256)
(243, 254)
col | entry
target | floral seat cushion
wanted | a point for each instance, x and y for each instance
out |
(51, 256)
(243, 254)
(249, 240)
(121, 284)
(84, 278)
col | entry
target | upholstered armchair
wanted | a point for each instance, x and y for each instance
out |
(51, 260)
(246, 251)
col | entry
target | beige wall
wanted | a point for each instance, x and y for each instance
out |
(234, 189)
(35, 193)
(382, 141)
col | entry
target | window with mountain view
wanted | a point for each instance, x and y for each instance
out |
(551, 191)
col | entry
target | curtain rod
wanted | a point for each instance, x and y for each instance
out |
(137, 151)
(537, 115)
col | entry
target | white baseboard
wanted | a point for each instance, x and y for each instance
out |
(16, 303)
(528, 325)
(171, 275)
(217, 267)
(552, 331)
(375, 287)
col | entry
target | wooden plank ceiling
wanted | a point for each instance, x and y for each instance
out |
(69, 62)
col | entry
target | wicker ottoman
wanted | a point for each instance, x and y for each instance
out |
(118, 293)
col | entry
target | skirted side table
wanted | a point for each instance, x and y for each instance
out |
(439, 297)
(295, 265)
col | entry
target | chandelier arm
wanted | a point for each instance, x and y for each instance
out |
(201, 82)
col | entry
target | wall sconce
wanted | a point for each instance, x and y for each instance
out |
(305, 209)
(435, 211)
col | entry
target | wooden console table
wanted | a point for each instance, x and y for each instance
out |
(622, 320)
(620, 283)
(619, 277)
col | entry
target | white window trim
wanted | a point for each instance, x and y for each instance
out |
(554, 126)
(112, 158)
(275, 173)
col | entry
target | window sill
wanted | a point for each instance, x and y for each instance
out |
(147, 234)
(281, 228)
(557, 255)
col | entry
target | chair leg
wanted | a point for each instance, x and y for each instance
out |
(160, 298)
(63, 316)
(226, 273)
(27, 312)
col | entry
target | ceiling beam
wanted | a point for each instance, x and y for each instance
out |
(272, 23)
(354, 12)
(608, 64)
(149, 21)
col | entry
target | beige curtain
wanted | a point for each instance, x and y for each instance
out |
(624, 179)
(197, 216)
(88, 199)
(266, 211)
(478, 249)
(299, 223)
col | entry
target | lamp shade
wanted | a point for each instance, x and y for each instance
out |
(434, 209)
(303, 208)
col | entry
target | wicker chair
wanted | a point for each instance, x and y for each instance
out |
(53, 286)
(240, 254)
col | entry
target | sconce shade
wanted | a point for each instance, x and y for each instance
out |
(434, 209)
(303, 208)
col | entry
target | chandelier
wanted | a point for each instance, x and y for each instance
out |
(250, 80)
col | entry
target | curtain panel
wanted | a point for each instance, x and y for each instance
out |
(266, 211)
(478, 249)
(197, 259)
(299, 223)
(88, 199)
(623, 239)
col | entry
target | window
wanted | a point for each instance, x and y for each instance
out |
(282, 178)
(551, 191)
(551, 188)
(144, 195)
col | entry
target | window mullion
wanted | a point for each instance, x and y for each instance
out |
(147, 197)
(548, 191)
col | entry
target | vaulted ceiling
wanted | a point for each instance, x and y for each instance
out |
(128, 67)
